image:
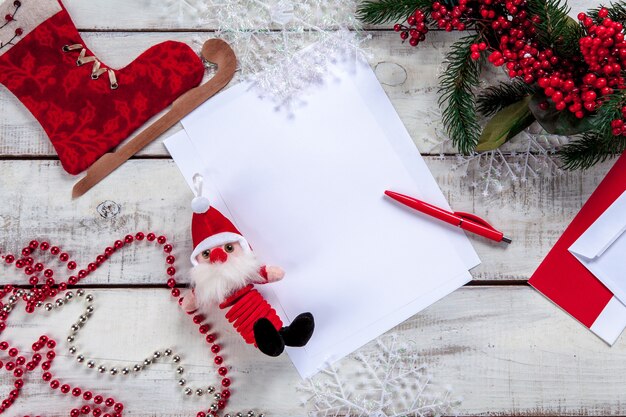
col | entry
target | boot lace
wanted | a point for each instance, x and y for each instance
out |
(97, 70)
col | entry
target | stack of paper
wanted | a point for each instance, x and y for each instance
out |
(306, 190)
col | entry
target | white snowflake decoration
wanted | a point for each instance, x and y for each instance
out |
(384, 379)
(267, 36)
(530, 155)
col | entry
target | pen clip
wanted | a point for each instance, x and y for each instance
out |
(475, 219)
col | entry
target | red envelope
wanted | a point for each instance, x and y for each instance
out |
(565, 281)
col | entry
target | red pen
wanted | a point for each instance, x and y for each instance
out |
(465, 221)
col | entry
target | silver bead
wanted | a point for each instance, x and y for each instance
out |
(82, 318)
(147, 362)
(125, 371)
(80, 358)
(156, 355)
(250, 413)
(261, 415)
(137, 368)
(239, 414)
(188, 391)
(91, 364)
(69, 295)
(227, 415)
(80, 292)
(199, 392)
(70, 339)
(39, 304)
(167, 352)
(75, 327)
(12, 299)
(213, 407)
(48, 307)
(89, 310)
(6, 308)
(217, 396)
(89, 298)
(72, 350)
(102, 369)
(182, 382)
(113, 371)
(180, 370)
(176, 359)
(211, 389)
(19, 293)
(59, 302)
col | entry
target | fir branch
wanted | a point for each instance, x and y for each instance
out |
(591, 149)
(555, 29)
(383, 11)
(599, 143)
(617, 11)
(493, 99)
(457, 99)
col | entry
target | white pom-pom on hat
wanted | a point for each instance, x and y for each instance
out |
(199, 204)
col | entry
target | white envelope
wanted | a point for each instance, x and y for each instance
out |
(602, 248)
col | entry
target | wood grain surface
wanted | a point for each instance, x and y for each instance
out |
(499, 344)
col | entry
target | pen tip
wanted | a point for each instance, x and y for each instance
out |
(507, 240)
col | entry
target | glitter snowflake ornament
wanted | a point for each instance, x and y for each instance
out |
(384, 379)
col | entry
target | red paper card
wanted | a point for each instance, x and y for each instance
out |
(565, 281)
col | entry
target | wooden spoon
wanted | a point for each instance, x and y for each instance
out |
(215, 51)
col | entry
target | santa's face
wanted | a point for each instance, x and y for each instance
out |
(220, 254)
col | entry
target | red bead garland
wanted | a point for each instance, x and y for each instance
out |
(41, 292)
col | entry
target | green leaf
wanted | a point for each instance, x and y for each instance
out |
(557, 122)
(507, 123)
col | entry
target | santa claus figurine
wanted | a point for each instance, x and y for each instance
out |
(224, 274)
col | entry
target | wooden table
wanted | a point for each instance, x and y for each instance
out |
(497, 342)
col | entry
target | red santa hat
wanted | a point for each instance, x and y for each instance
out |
(210, 228)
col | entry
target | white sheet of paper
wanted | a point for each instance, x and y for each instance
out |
(307, 192)
(602, 248)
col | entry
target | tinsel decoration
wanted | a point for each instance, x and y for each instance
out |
(386, 378)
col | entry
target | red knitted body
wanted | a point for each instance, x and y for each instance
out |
(245, 308)
(85, 118)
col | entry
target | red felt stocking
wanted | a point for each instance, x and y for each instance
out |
(85, 107)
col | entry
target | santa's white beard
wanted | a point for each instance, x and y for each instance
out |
(213, 283)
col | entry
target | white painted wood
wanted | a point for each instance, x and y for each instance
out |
(151, 195)
(159, 14)
(505, 350)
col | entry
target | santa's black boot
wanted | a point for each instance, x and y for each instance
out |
(299, 332)
(268, 339)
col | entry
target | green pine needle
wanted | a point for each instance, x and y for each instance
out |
(376, 12)
(591, 149)
(617, 11)
(555, 28)
(599, 143)
(457, 98)
(493, 99)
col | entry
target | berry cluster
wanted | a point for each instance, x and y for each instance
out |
(416, 29)
(451, 19)
(604, 50)
(578, 85)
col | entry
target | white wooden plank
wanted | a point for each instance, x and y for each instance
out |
(505, 350)
(151, 195)
(152, 14)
